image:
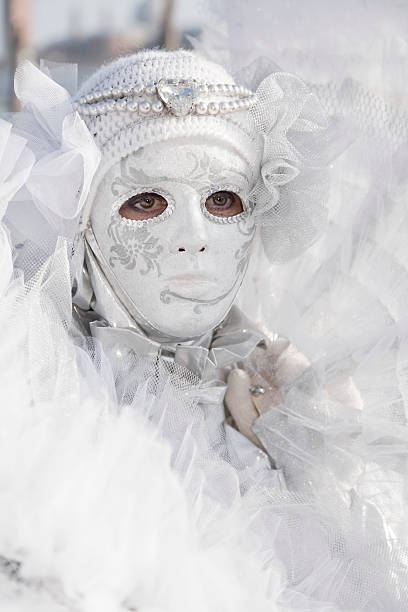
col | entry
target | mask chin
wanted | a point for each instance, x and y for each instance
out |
(185, 324)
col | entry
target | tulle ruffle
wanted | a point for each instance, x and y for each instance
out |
(59, 172)
(113, 496)
(291, 194)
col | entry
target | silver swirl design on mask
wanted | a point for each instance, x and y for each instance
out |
(242, 256)
(203, 175)
(133, 246)
(246, 226)
(167, 294)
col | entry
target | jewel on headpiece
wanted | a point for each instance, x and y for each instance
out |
(178, 97)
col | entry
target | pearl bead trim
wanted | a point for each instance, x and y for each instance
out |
(142, 223)
(214, 218)
(145, 100)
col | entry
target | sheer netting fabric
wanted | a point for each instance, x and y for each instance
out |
(102, 453)
(291, 195)
(340, 431)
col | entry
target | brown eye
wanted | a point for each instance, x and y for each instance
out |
(224, 204)
(143, 206)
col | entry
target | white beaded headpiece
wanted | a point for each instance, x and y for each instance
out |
(280, 131)
(178, 97)
(157, 95)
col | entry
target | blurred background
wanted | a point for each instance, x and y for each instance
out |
(89, 32)
(319, 40)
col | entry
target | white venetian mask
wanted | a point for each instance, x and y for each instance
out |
(174, 224)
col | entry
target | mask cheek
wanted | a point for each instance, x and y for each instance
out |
(236, 251)
(131, 248)
(242, 245)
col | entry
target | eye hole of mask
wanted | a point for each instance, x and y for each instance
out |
(143, 206)
(224, 204)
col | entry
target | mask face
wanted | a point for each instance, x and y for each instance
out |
(174, 225)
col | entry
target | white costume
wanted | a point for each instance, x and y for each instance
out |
(160, 451)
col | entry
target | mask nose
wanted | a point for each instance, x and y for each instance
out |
(190, 233)
(191, 249)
